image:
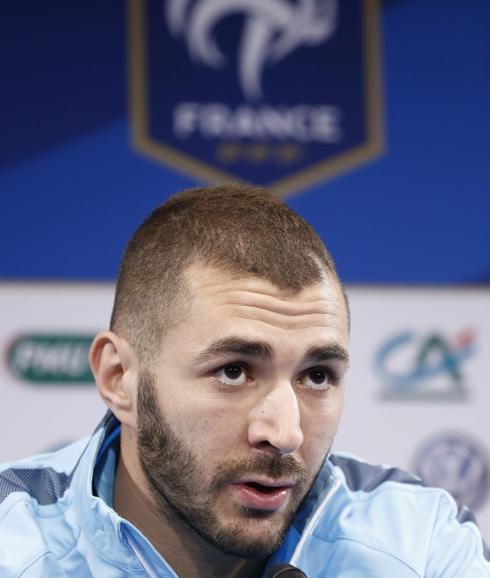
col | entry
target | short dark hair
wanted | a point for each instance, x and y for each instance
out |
(238, 228)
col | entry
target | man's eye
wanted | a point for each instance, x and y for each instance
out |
(317, 378)
(232, 375)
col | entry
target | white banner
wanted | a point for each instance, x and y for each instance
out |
(417, 393)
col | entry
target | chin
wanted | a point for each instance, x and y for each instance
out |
(258, 534)
(256, 543)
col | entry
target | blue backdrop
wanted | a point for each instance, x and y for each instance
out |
(72, 187)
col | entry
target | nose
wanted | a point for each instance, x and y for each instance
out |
(275, 421)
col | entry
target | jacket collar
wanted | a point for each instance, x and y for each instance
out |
(107, 529)
(100, 522)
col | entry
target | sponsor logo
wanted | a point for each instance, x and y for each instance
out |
(414, 366)
(457, 463)
(282, 93)
(53, 359)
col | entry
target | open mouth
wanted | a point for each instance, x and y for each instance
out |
(256, 495)
(262, 488)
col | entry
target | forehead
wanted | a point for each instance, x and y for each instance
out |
(238, 303)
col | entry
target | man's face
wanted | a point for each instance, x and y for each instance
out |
(242, 406)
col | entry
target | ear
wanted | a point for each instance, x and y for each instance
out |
(115, 367)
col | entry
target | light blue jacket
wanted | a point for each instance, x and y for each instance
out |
(358, 521)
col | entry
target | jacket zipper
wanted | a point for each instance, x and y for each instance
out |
(312, 523)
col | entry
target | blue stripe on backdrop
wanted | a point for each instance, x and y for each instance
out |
(72, 188)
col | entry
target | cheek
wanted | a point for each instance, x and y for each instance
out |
(319, 423)
(209, 431)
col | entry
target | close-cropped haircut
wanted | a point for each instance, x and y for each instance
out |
(238, 228)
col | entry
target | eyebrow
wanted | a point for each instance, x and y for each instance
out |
(261, 349)
(237, 346)
(327, 353)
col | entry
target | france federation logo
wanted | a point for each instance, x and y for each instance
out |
(282, 93)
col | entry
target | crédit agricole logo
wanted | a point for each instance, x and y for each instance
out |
(428, 366)
(282, 93)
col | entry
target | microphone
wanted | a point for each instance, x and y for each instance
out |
(285, 571)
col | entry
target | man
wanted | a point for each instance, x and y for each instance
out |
(223, 374)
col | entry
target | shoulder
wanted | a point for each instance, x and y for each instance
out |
(34, 499)
(41, 479)
(391, 510)
(366, 482)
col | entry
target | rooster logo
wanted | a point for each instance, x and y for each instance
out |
(272, 30)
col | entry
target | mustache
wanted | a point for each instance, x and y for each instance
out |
(275, 468)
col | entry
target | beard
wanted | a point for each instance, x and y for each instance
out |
(175, 477)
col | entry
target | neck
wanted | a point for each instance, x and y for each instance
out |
(182, 547)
